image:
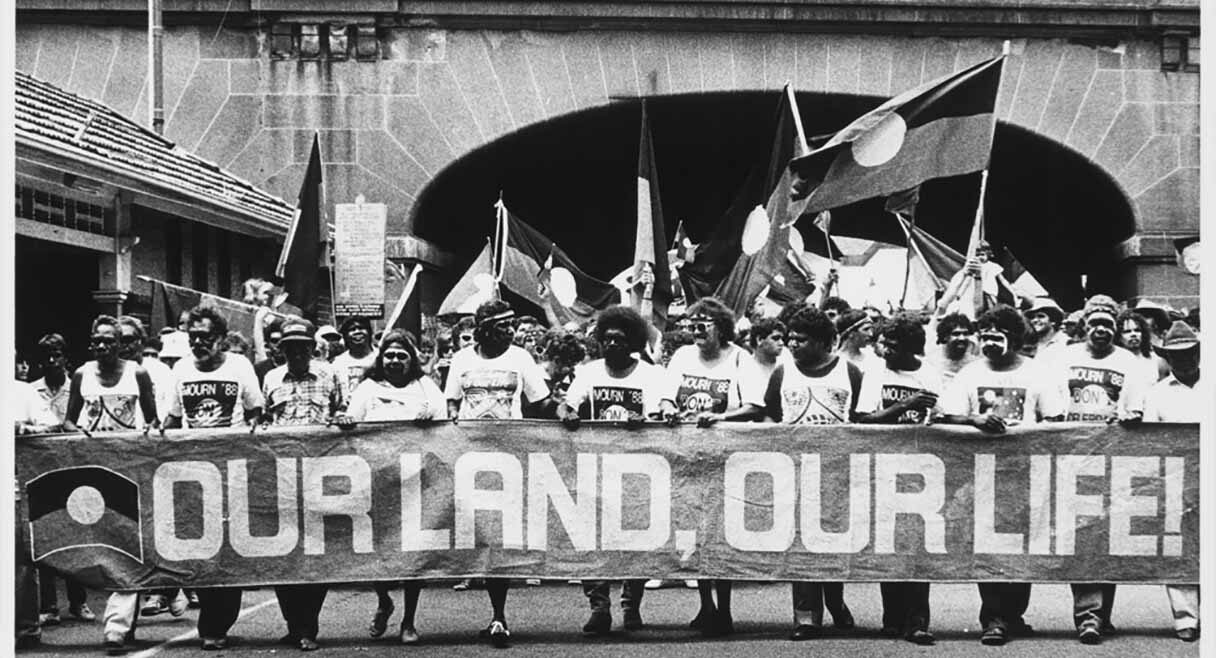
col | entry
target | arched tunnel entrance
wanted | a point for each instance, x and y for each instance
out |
(573, 178)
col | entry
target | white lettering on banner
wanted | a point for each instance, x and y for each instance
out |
(356, 504)
(1171, 542)
(168, 544)
(1125, 504)
(927, 503)
(508, 501)
(285, 538)
(777, 467)
(987, 539)
(545, 487)
(1040, 505)
(413, 536)
(1071, 504)
(857, 536)
(613, 535)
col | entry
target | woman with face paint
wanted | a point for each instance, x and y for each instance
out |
(396, 390)
(1002, 389)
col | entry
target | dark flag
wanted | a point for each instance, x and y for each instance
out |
(168, 301)
(300, 263)
(474, 287)
(650, 250)
(766, 235)
(1021, 281)
(86, 507)
(534, 268)
(941, 128)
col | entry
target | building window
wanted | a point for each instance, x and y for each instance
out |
(338, 42)
(367, 44)
(201, 262)
(42, 206)
(310, 42)
(1180, 52)
(283, 41)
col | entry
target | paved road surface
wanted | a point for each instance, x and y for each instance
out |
(546, 621)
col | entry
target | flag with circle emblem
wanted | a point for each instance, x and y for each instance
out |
(941, 128)
(84, 507)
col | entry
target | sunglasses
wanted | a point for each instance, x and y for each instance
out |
(202, 338)
(104, 340)
(466, 338)
(128, 339)
(701, 327)
(992, 337)
(396, 355)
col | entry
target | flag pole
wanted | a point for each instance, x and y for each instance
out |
(333, 307)
(977, 230)
(498, 241)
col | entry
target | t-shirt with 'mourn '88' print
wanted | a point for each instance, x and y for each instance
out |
(616, 398)
(696, 387)
(218, 398)
(884, 387)
(1100, 389)
(494, 388)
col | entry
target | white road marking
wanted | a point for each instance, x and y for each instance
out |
(193, 634)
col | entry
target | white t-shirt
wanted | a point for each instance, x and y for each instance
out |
(694, 386)
(883, 387)
(110, 408)
(30, 408)
(494, 388)
(351, 369)
(754, 376)
(373, 400)
(1025, 394)
(209, 399)
(1171, 401)
(1099, 389)
(614, 398)
(164, 386)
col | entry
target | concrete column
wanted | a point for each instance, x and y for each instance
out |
(115, 268)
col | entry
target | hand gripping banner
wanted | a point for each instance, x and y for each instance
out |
(1059, 502)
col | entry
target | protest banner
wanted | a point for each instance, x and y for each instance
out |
(1053, 503)
(359, 258)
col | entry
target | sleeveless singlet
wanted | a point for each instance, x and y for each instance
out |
(113, 408)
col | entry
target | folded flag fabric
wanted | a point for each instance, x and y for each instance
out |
(650, 251)
(303, 256)
(941, 128)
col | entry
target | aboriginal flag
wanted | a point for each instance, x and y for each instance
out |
(941, 128)
(84, 507)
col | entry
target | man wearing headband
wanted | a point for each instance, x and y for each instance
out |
(1178, 399)
(490, 381)
(1104, 384)
(1002, 389)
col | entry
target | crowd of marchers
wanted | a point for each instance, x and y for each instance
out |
(821, 363)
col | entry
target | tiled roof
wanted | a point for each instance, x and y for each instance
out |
(56, 120)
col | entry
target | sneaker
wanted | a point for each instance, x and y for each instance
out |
(654, 583)
(500, 636)
(409, 635)
(50, 618)
(114, 644)
(463, 585)
(921, 636)
(690, 584)
(177, 607)
(532, 582)
(599, 623)
(192, 598)
(214, 643)
(308, 644)
(633, 620)
(1089, 634)
(82, 613)
(154, 605)
(805, 632)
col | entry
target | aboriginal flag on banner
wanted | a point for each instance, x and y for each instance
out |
(941, 128)
(84, 507)
(534, 268)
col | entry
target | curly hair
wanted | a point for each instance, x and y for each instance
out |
(627, 320)
(1006, 320)
(849, 320)
(763, 328)
(1146, 332)
(565, 349)
(948, 324)
(234, 339)
(134, 324)
(395, 337)
(219, 325)
(52, 342)
(814, 324)
(836, 304)
(907, 332)
(722, 317)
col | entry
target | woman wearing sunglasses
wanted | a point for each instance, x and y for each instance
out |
(396, 389)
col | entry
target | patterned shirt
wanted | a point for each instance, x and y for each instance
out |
(311, 399)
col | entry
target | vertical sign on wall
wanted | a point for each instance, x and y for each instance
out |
(359, 258)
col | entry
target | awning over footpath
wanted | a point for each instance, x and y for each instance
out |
(62, 131)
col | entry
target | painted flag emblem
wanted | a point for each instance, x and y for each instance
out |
(84, 506)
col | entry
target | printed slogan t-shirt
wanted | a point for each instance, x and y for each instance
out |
(110, 408)
(211, 399)
(373, 400)
(615, 398)
(1023, 395)
(1100, 389)
(351, 370)
(493, 388)
(884, 387)
(693, 386)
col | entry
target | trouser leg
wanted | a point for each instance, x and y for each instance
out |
(1108, 601)
(1087, 603)
(77, 595)
(218, 609)
(301, 608)
(409, 604)
(833, 598)
(122, 609)
(497, 589)
(808, 603)
(48, 592)
(598, 594)
(992, 605)
(631, 594)
(894, 610)
(1184, 601)
(26, 591)
(916, 599)
(384, 598)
